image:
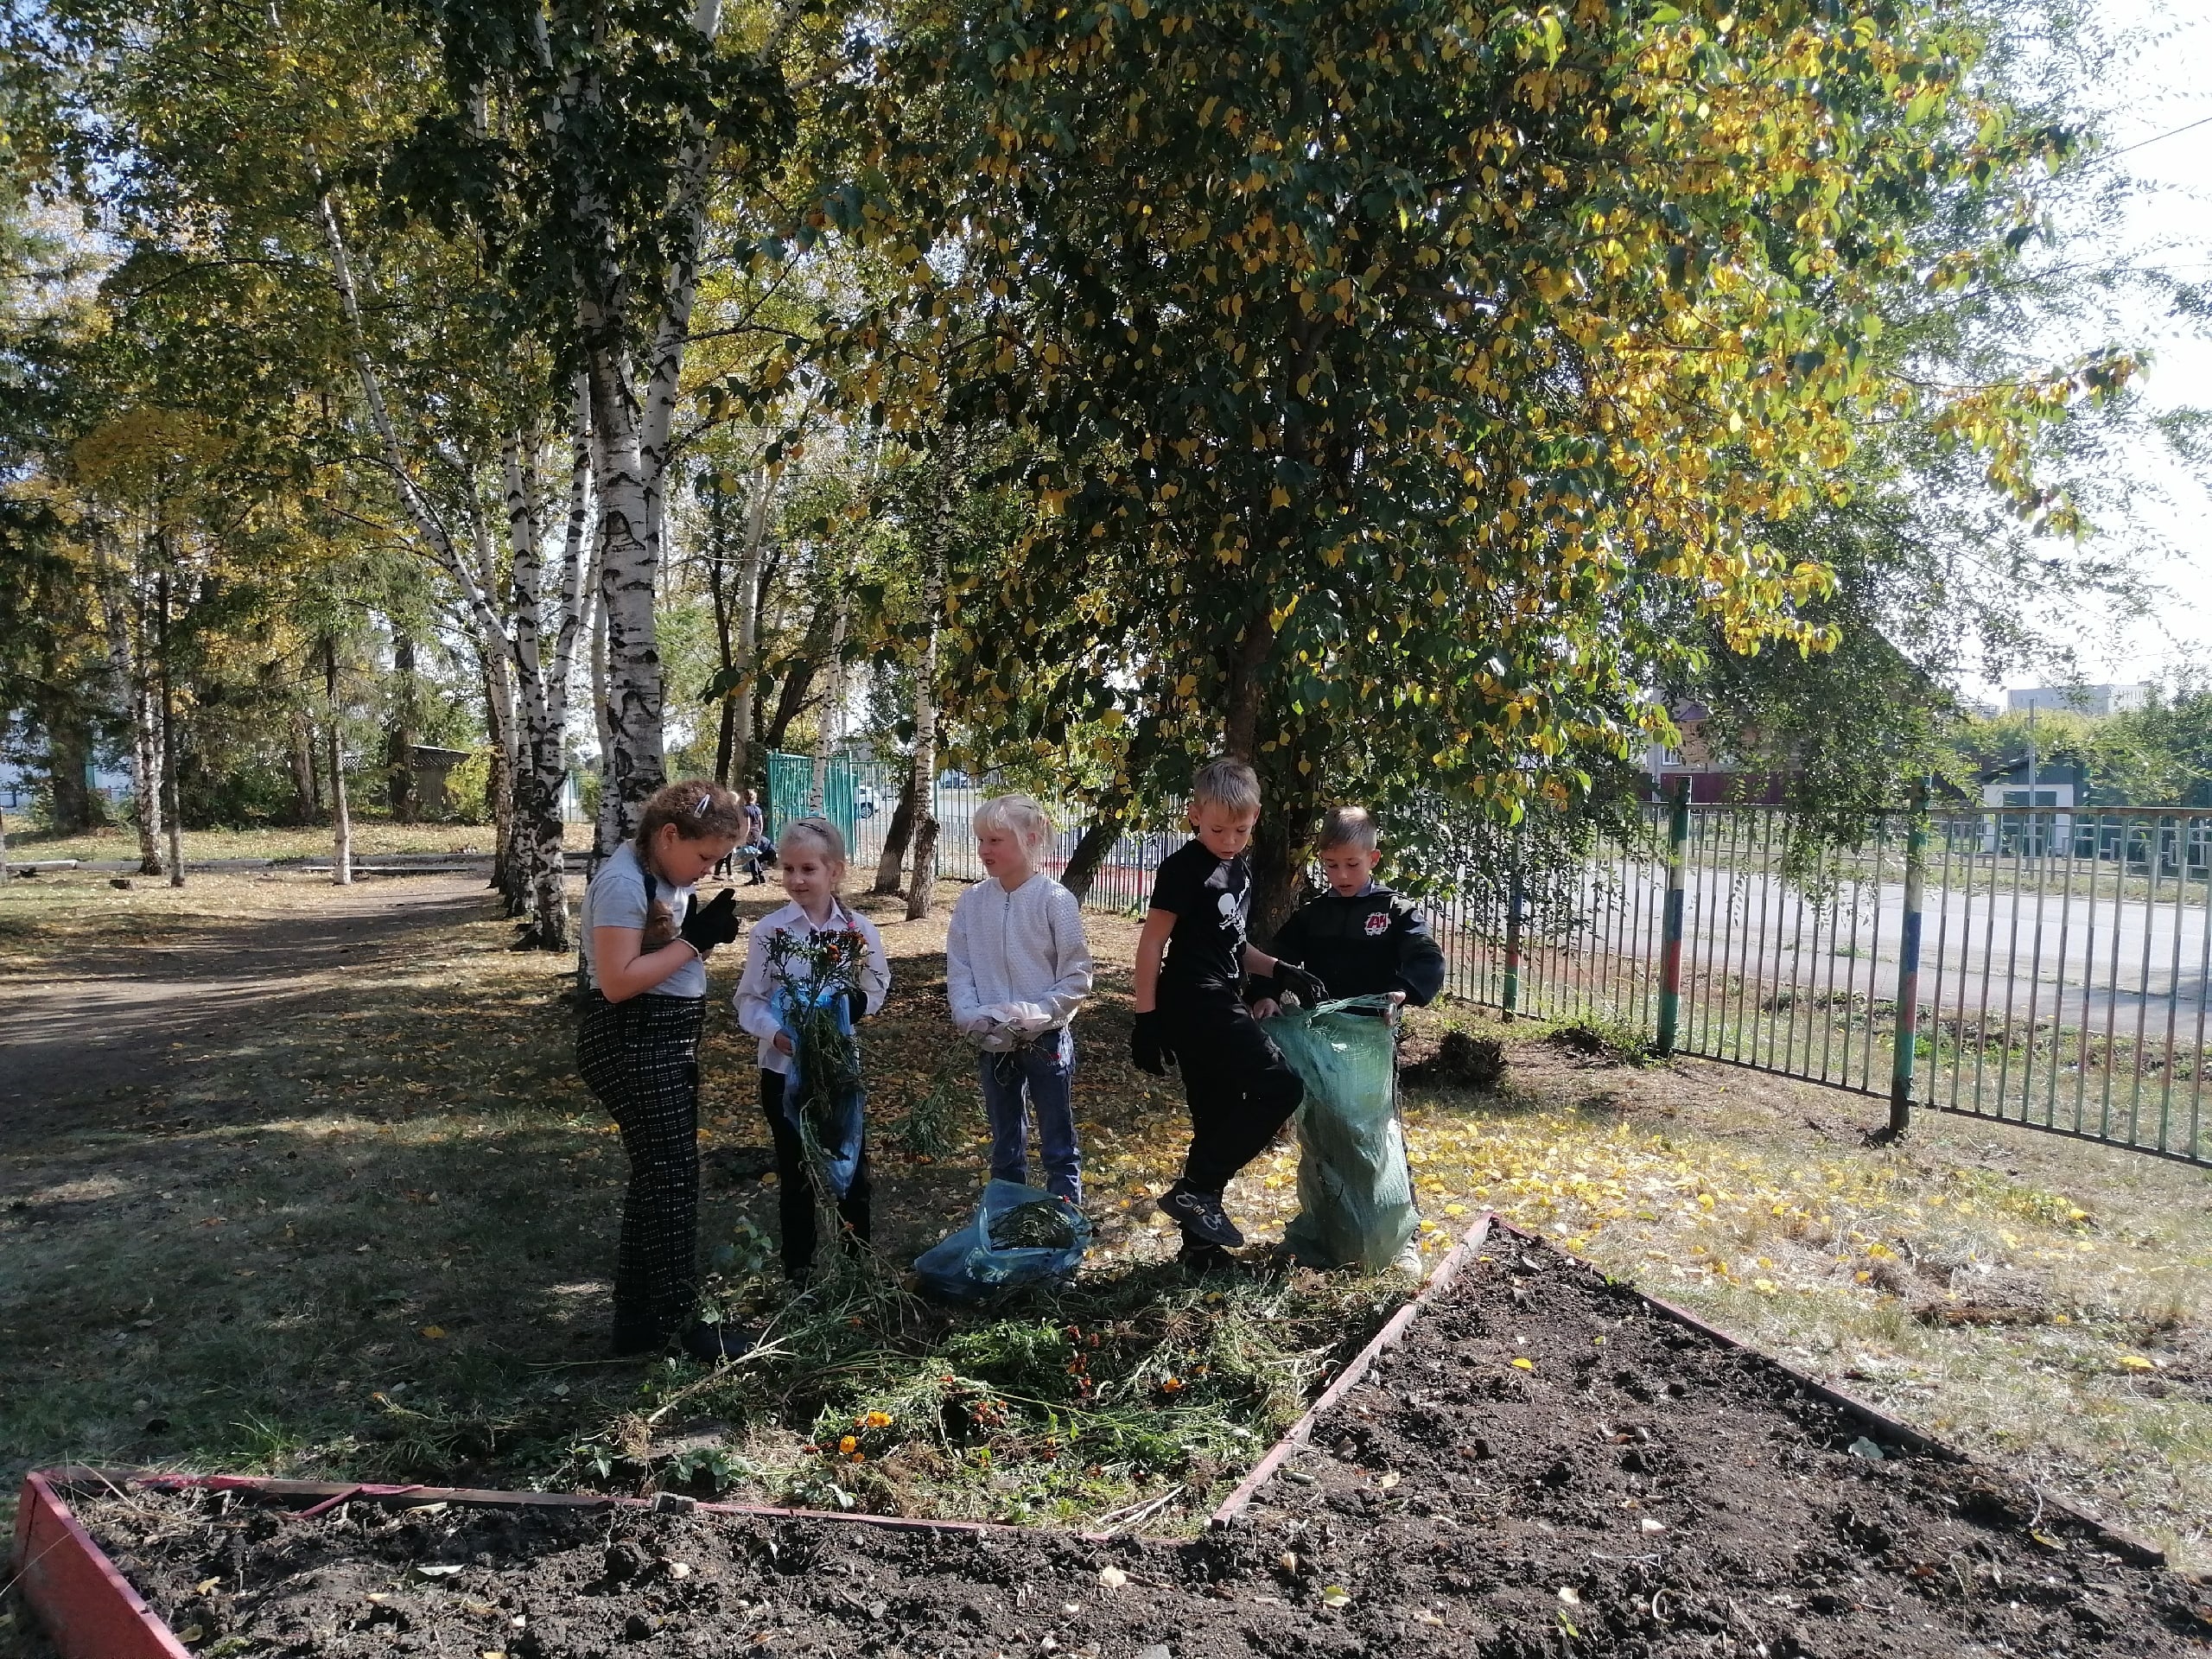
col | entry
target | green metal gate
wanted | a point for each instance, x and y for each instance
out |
(790, 784)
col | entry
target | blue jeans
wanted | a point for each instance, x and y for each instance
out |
(1047, 1068)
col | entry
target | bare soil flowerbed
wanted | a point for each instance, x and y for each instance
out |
(1545, 1466)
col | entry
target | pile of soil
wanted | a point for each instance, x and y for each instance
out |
(1544, 1467)
(1549, 1466)
(1459, 1060)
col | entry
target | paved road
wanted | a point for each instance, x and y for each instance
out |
(1981, 953)
(2017, 950)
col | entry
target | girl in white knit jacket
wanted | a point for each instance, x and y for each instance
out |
(1017, 967)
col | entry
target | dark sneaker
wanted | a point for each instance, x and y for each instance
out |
(714, 1343)
(633, 1340)
(1200, 1217)
(1199, 1258)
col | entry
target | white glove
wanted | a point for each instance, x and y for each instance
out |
(1028, 1018)
(990, 1031)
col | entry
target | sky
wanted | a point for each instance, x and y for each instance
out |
(2160, 83)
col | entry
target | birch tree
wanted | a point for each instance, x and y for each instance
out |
(616, 120)
(545, 669)
(122, 588)
(341, 817)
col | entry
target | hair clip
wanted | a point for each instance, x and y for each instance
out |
(699, 807)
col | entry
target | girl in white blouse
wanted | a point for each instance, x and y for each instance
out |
(810, 854)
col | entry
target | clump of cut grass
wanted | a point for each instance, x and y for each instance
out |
(1611, 1042)
(1133, 1385)
(1461, 1060)
(924, 1130)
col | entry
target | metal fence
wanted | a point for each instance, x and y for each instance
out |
(2046, 967)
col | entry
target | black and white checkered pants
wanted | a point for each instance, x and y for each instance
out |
(641, 1058)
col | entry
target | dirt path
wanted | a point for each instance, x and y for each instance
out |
(134, 1017)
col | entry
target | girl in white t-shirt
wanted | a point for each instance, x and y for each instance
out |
(810, 855)
(645, 942)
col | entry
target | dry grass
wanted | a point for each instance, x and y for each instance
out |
(368, 1231)
(372, 838)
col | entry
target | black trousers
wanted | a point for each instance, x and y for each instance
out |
(1240, 1089)
(641, 1058)
(795, 1185)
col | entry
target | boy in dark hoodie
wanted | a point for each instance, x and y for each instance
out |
(1357, 937)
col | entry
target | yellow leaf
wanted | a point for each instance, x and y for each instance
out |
(2136, 1363)
(434, 1331)
(1524, 1363)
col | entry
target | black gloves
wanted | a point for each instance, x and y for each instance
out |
(715, 924)
(1306, 986)
(855, 1004)
(1148, 1049)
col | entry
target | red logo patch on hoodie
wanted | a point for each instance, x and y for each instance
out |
(1377, 923)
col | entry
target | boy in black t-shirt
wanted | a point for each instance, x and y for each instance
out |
(1191, 1007)
(1358, 936)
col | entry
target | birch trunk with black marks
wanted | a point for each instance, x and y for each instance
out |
(146, 775)
(499, 788)
(341, 820)
(543, 677)
(743, 760)
(603, 820)
(629, 575)
(122, 615)
(630, 427)
(175, 819)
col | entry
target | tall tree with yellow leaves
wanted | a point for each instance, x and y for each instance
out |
(1410, 368)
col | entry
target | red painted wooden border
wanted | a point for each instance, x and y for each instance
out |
(88, 1609)
(1238, 1501)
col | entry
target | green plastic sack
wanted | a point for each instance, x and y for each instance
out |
(1355, 1192)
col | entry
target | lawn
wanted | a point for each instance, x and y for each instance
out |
(365, 1228)
(373, 838)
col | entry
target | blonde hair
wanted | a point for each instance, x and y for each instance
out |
(1349, 826)
(820, 833)
(1018, 815)
(700, 808)
(1226, 782)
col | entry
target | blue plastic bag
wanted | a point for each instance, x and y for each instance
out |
(836, 1134)
(966, 1267)
(1355, 1189)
